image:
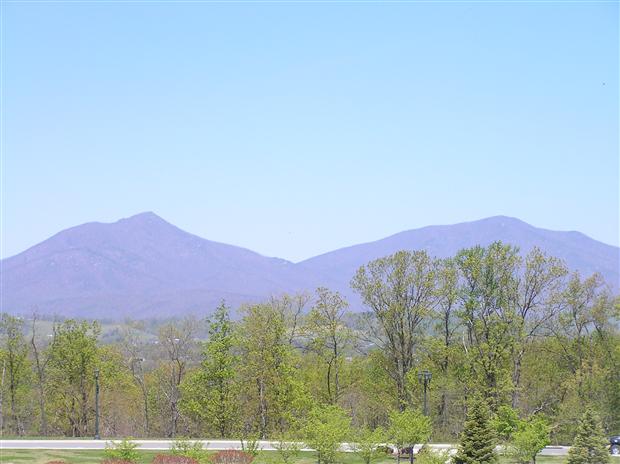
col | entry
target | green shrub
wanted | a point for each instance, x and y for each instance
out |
(327, 427)
(250, 444)
(529, 439)
(288, 448)
(189, 449)
(408, 428)
(368, 444)
(124, 450)
(430, 456)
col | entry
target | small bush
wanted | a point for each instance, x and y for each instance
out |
(251, 445)
(430, 456)
(121, 452)
(173, 459)
(232, 457)
(287, 448)
(189, 449)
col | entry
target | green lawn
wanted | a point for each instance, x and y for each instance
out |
(72, 457)
(267, 457)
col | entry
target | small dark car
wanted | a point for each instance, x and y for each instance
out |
(614, 445)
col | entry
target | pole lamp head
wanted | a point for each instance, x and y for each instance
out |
(424, 376)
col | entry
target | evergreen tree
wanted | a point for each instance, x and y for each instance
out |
(590, 443)
(478, 439)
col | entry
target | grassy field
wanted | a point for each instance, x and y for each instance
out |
(267, 457)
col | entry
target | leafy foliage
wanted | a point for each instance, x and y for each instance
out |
(189, 449)
(287, 447)
(430, 456)
(408, 428)
(368, 444)
(124, 450)
(399, 290)
(517, 329)
(327, 427)
(529, 439)
(209, 394)
(505, 422)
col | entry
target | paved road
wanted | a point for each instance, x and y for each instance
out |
(208, 444)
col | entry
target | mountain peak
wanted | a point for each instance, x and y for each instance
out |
(146, 216)
(502, 221)
(145, 220)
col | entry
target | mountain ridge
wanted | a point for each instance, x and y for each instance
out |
(144, 266)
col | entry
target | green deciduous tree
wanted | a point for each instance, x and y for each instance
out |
(40, 354)
(329, 337)
(400, 290)
(530, 437)
(210, 392)
(271, 390)
(74, 356)
(326, 428)
(368, 444)
(16, 374)
(487, 313)
(408, 428)
(505, 422)
(538, 283)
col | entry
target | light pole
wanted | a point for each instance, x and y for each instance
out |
(97, 437)
(425, 378)
(138, 376)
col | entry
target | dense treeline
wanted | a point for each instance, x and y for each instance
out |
(523, 332)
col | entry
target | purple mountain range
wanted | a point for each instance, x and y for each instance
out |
(143, 266)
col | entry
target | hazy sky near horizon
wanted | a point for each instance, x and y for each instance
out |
(297, 128)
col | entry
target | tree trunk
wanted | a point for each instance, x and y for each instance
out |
(329, 382)
(262, 408)
(516, 380)
(146, 411)
(2, 398)
(40, 378)
(336, 375)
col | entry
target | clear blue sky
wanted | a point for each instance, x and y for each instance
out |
(293, 129)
